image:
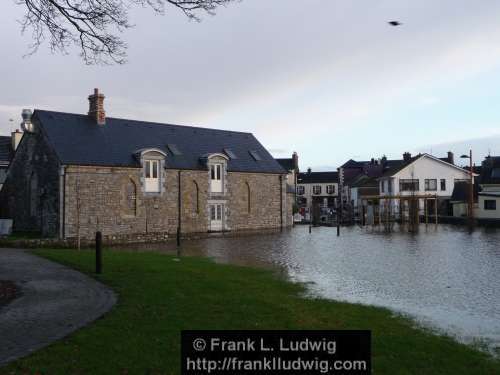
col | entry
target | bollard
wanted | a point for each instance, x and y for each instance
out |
(338, 221)
(98, 252)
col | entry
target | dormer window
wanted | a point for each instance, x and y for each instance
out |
(217, 165)
(153, 162)
(151, 176)
(216, 177)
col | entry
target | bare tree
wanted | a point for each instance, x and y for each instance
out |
(93, 25)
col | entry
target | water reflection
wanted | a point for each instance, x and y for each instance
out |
(443, 276)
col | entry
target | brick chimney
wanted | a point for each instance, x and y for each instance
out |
(96, 107)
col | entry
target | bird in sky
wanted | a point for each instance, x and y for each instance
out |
(394, 23)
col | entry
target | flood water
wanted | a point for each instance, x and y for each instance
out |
(444, 277)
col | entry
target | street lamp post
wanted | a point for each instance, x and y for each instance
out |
(471, 188)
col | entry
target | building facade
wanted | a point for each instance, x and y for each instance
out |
(73, 175)
(488, 207)
(8, 147)
(422, 175)
(317, 188)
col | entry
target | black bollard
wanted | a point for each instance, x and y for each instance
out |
(339, 216)
(98, 252)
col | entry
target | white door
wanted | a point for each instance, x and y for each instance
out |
(216, 217)
(216, 178)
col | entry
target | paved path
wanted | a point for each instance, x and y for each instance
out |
(55, 301)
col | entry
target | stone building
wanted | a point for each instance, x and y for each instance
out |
(8, 147)
(73, 175)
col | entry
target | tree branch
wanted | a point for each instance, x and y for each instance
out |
(93, 25)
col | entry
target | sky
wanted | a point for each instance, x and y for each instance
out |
(329, 79)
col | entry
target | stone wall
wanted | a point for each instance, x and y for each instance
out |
(30, 195)
(254, 201)
(99, 198)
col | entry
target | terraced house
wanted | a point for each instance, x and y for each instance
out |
(75, 174)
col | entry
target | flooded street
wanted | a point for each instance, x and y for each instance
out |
(444, 277)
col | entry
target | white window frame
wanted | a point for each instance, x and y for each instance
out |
(330, 189)
(427, 184)
(152, 176)
(301, 190)
(316, 189)
(216, 177)
(441, 184)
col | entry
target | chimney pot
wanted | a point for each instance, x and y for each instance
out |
(96, 107)
(16, 138)
(451, 157)
(406, 156)
(295, 158)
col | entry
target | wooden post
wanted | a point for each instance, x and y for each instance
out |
(426, 211)
(179, 209)
(436, 209)
(338, 220)
(379, 213)
(98, 252)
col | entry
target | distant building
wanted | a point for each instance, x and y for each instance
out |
(291, 165)
(358, 181)
(423, 175)
(75, 174)
(461, 196)
(317, 189)
(8, 146)
(489, 194)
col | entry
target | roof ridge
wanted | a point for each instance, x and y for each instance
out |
(146, 122)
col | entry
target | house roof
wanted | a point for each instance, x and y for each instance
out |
(78, 140)
(317, 177)
(490, 171)
(395, 168)
(5, 150)
(353, 164)
(398, 167)
(287, 163)
(365, 181)
(461, 192)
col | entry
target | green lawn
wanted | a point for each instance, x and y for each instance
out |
(158, 297)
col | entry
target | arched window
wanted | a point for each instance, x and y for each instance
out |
(249, 207)
(131, 196)
(196, 198)
(33, 191)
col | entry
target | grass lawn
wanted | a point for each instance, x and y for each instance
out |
(159, 297)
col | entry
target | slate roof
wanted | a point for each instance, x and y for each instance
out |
(353, 164)
(5, 150)
(354, 170)
(286, 163)
(490, 171)
(317, 177)
(365, 181)
(396, 167)
(461, 191)
(78, 140)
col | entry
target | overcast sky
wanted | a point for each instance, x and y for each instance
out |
(326, 78)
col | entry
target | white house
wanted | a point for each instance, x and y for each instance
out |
(317, 188)
(489, 197)
(422, 175)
